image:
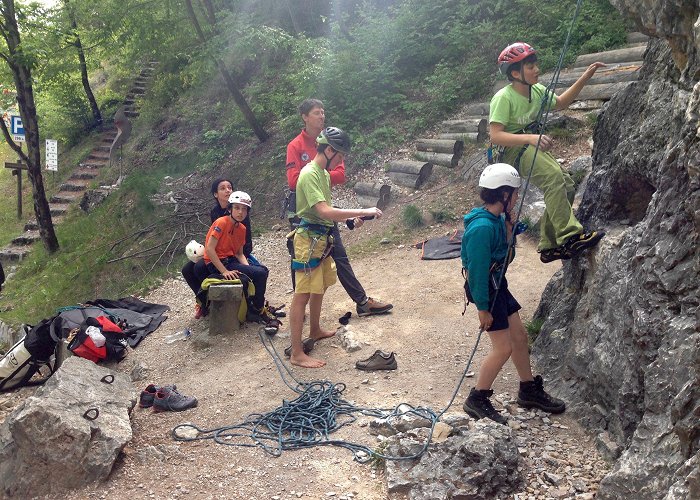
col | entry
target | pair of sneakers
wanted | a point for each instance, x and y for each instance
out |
(572, 246)
(165, 398)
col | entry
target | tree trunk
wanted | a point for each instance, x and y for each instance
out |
(231, 81)
(293, 17)
(27, 109)
(96, 115)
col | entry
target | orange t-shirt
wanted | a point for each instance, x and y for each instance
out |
(230, 236)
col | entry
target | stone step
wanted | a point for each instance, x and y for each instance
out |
(101, 149)
(75, 185)
(84, 173)
(132, 114)
(27, 238)
(107, 141)
(138, 90)
(66, 196)
(14, 253)
(33, 225)
(129, 102)
(98, 155)
(95, 163)
(58, 209)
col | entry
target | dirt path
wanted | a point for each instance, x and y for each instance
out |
(237, 377)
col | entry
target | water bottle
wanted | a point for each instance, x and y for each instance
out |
(182, 335)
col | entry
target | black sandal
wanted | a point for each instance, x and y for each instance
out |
(307, 344)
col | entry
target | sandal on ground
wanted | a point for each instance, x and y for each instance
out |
(307, 344)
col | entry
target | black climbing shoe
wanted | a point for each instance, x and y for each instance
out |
(533, 395)
(478, 406)
(552, 254)
(580, 242)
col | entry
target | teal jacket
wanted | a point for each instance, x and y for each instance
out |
(484, 243)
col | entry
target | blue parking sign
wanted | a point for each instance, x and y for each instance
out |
(16, 128)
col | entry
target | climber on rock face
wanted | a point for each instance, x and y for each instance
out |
(513, 127)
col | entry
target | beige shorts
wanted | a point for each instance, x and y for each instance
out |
(318, 279)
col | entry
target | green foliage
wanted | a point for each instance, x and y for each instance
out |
(443, 215)
(533, 328)
(411, 216)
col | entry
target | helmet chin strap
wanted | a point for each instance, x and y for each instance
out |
(505, 205)
(522, 80)
(329, 160)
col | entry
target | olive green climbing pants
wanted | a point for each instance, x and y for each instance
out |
(558, 222)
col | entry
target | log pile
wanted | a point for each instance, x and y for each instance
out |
(411, 174)
(373, 194)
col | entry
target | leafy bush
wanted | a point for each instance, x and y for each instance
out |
(411, 216)
(533, 328)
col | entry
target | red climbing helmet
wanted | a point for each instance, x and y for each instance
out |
(512, 54)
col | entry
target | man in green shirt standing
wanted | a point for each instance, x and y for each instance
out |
(313, 265)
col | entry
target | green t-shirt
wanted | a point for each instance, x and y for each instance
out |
(313, 186)
(513, 111)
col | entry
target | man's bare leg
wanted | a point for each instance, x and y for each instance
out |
(296, 321)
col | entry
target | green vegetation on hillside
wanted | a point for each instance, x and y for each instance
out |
(386, 70)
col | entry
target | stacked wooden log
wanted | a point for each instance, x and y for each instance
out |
(408, 173)
(445, 152)
(373, 194)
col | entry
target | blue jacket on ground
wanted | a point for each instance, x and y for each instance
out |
(484, 242)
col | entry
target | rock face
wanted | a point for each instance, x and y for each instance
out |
(479, 463)
(50, 443)
(621, 340)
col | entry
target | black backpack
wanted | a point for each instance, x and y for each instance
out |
(34, 354)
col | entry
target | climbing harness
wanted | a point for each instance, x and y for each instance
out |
(310, 235)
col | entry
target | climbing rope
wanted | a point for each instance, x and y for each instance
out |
(319, 409)
(309, 420)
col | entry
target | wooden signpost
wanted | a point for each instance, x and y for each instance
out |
(17, 170)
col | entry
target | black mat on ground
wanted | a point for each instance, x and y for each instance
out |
(142, 318)
(442, 248)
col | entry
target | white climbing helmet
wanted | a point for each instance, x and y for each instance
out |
(499, 174)
(194, 251)
(240, 197)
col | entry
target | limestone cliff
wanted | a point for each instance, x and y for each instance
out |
(621, 340)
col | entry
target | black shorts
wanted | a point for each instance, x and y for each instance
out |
(505, 306)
